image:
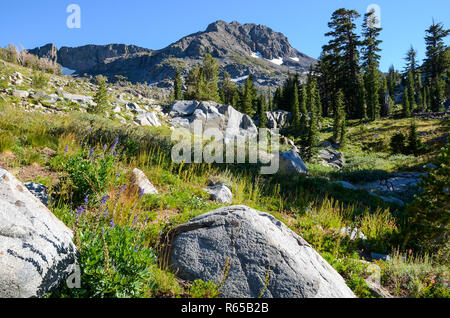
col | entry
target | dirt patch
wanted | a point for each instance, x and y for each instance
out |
(31, 172)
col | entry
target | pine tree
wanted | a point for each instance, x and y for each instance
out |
(410, 84)
(384, 101)
(210, 74)
(392, 81)
(295, 106)
(202, 81)
(178, 93)
(406, 110)
(339, 118)
(361, 97)
(312, 140)
(303, 124)
(195, 84)
(228, 91)
(372, 82)
(411, 63)
(414, 144)
(343, 56)
(371, 58)
(436, 65)
(248, 97)
(101, 97)
(262, 109)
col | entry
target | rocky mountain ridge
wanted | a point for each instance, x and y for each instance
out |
(241, 50)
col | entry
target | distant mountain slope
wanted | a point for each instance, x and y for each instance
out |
(240, 49)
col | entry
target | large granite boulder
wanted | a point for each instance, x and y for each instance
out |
(36, 249)
(253, 244)
(225, 118)
(40, 191)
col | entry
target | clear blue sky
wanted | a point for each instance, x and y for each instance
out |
(157, 23)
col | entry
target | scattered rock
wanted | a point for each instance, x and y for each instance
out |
(254, 244)
(148, 119)
(40, 191)
(353, 233)
(36, 249)
(21, 94)
(140, 180)
(219, 192)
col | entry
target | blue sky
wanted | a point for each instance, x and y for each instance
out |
(156, 23)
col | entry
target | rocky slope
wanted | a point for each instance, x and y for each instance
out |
(240, 49)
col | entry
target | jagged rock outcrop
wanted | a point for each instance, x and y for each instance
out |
(36, 249)
(231, 123)
(254, 245)
(278, 119)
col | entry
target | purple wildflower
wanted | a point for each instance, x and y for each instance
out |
(141, 193)
(90, 128)
(115, 144)
(66, 149)
(104, 147)
(86, 199)
(104, 200)
(105, 213)
(136, 249)
(112, 224)
(122, 188)
(135, 219)
(117, 174)
(79, 212)
(91, 152)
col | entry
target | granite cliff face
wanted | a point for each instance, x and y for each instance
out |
(240, 49)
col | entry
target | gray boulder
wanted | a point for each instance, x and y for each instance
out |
(290, 161)
(20, 94)
(40, 191)
(331, 158)
(141, 181)
(148, 119)
(83, 99)
(219, 192)
(36, 249)
(183, 108)
(254, 244)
